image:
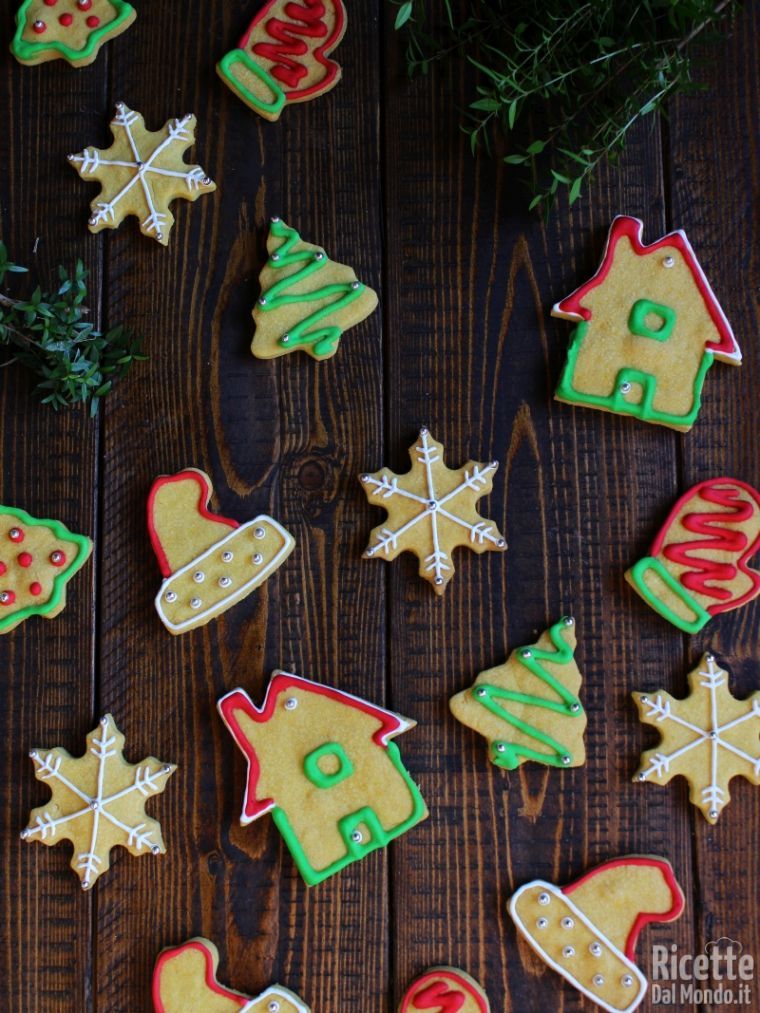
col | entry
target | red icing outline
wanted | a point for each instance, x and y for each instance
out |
(238, 700)
(442, 1000)
(213, 984)
(644, 917)
(752, 549)
(625, 225)
(205, 491)
(291, 30)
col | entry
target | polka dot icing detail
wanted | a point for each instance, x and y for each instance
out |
(35, 588)
(66, 19)
(25, 559)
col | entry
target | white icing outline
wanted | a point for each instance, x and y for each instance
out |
(277, 992)
(552, 889)
(224, 603)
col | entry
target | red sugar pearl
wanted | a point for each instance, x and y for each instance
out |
(39, 27)
(66, 19)
(50, 3)
(25, 559)
(35, 588)
(93, 21)
(3, 568)
(57, 558)
(7, 597)
(16, 535)
(84, 5)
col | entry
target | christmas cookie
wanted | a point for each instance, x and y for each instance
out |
(98, 801)
(649, 328)
(210, 562)
(71, 30)
(283, 57)
(184, 981)
(708, 738)
(444, 990)
(142, 173)
(431, 511)
(698, 565)
(307, 300)
(528, 708)
(587, 931)
(37, 560)
(323, 763)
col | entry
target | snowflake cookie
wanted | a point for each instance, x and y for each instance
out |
(431, 511)
(708, 738)
(445, 990)
(37, 560)
(71, 30)
(528, 708)
(142, 173)
(184, 981)
(99, 801)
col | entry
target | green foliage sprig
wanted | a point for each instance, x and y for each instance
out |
(562, 81)
(48, 334)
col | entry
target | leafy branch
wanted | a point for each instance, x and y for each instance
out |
(560, 84)
(49, 335)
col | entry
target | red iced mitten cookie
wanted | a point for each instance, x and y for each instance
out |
(283, 57)
(37, 560)
(71, 30)
(697, 567)
(210, 562)
(649, 328)
(587, 931)
(445, 990)
(184, 981)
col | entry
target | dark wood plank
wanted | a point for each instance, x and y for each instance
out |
(474, 355)
(285, 437)
(50, 469)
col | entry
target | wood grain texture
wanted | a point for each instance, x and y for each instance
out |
(379, 173)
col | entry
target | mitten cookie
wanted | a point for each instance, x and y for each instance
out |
(307, 300)
(184, 981)
(587, 931)
(283, 57)
(432, 510)
(708, 738)
(210, 562)
(37, 560)
(698, 565)
(71, 30)
(98, 801)
(528, 708)
(649, 328)
(445, 990)
(323, 763)
(142, 173)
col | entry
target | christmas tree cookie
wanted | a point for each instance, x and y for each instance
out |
(431, 511)
(184, 981)
(307, 300)
(708, 738)
(37, 560)
(283, 57)
(528, 708)
(98, 801)
(71, 30)
(444, 990)
(142, 173)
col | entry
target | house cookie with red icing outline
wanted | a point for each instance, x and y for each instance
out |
(284, 55)
(649, 328)
(209, 562)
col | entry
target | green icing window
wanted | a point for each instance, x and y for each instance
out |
(651, 320)
(327, 765)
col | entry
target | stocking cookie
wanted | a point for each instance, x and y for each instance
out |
(431, 511)
(184, 981)
(283, 57)
(323, 763)
(71, 30)
(445, 990)
(37, 560)
(142, 173)
(708, 738)
(528, 708)
(587, 931)
(649, 328)
(210, 562)
(307, 300)
(98, 801)
(698, 565)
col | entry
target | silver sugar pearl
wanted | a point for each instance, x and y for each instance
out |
(274, 219)
(501, 543)
(541, 923)
(481, 692)
(225, 581)
(543, 898)
(170, 596)
(319, 255)
(438, 581)
(568, 951)
(424, 431)
(199, 576)
(195, 603)
(567, 923)
(598, 980)
(291, 703)
(355, 285)
(526, 653)
(257, 558)
(501, 748)
(566, 760)
(668, 261)
(273, 1006)
(275, 256)
(356, 837)
(284, 339)
(574, 708)
(713, 814)
(227, 556)
(262, 301)
(626, 981)
(595, 950)
(625, 387)
(432, 505)
(156, 850)
(259, 532)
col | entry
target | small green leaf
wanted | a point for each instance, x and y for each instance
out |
(575, 189)
(404, 13)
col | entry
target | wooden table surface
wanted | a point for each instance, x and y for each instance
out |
(379, 172)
